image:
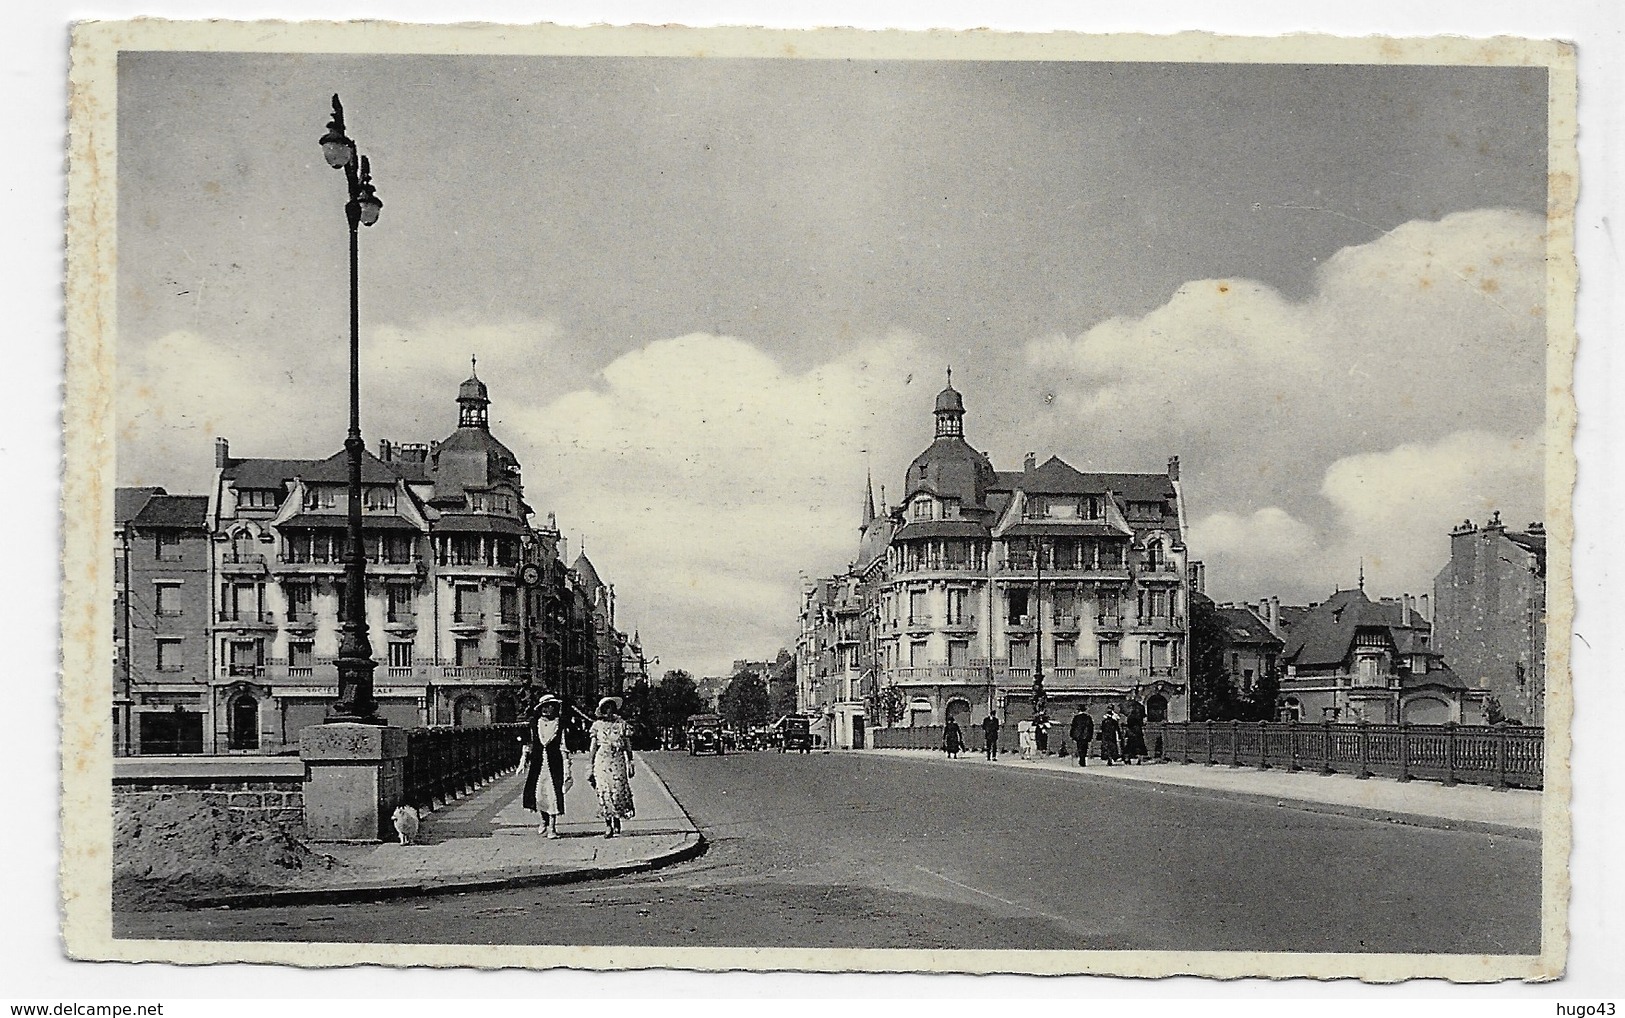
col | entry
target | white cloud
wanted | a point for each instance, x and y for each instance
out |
(706, 477)
(180, 391)
(1432, 328)
(1429, 333)
(1392, 511)
(1245, 555)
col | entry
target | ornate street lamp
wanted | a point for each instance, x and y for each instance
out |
(355, 701)
(1040, 699)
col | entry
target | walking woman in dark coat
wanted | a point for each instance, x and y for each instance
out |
(1134, 750)
(1108, 737)
(953, 740)
(547, 777)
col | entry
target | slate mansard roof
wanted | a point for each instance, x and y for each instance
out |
(182, 512)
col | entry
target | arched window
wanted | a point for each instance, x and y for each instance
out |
(468, 711)
(504, 712)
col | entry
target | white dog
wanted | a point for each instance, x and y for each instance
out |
(407, 820)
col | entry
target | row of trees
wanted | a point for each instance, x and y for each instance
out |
(752, 697)
(652, 710)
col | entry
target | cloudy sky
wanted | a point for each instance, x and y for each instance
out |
(708, 294)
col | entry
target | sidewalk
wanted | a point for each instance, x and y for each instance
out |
(488, 840)
(1512, 812)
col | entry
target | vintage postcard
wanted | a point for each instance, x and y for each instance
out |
(819, 500)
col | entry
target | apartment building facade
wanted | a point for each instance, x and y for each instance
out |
(982, 582)
(470, 611)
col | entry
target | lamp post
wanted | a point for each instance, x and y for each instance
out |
(355, 701)
(1040, 699)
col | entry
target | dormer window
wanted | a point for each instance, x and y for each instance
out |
(922, 509)
(257, 498)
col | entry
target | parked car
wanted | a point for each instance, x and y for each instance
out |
(705, 735)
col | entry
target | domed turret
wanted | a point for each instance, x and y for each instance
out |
(473, 401)
(950, 411)
(950, 468)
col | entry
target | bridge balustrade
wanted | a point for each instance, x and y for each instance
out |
(444, 763)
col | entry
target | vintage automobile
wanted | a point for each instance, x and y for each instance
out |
(795, 732)
(705, 735)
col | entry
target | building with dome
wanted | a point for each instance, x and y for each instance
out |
(471, 611)
(981, 581)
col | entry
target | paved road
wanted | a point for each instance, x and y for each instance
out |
(864, 851)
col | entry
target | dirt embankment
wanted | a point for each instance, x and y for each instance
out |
(166, 851)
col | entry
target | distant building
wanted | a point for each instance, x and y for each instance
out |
(1354, 659)
(161, 616)
(1491, 614)
(983, 580)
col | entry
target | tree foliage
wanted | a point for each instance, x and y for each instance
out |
(642, 720)
(744, 702)
(889, 705)
(1213, 698)
(677, 699)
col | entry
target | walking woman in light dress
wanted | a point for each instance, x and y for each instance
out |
(612, 767)
(547, 766)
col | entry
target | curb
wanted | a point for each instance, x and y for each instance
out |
(1371, 813)
(693, 846)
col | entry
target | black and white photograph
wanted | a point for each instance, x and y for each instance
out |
(827, 501)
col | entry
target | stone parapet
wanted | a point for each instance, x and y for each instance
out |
(356, 778)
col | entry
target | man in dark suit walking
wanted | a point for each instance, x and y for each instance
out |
(990, 733)
(1083, 732)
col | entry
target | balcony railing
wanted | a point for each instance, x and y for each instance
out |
(469, 618)
(242, 671)
(246, 558)
(1004, 673)
(505, 673)
(249, 617)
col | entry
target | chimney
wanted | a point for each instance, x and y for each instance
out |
(1405, 610)
(1030, 462)
(222, 452)
(385, 449)
(1422, 609)
(1173, 468)
(1275, 614)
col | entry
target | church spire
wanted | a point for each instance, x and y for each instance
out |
(868, 499)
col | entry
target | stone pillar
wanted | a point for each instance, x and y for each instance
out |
(354, 779)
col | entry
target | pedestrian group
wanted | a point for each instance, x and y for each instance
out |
(1121, 734)
(545, 763)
